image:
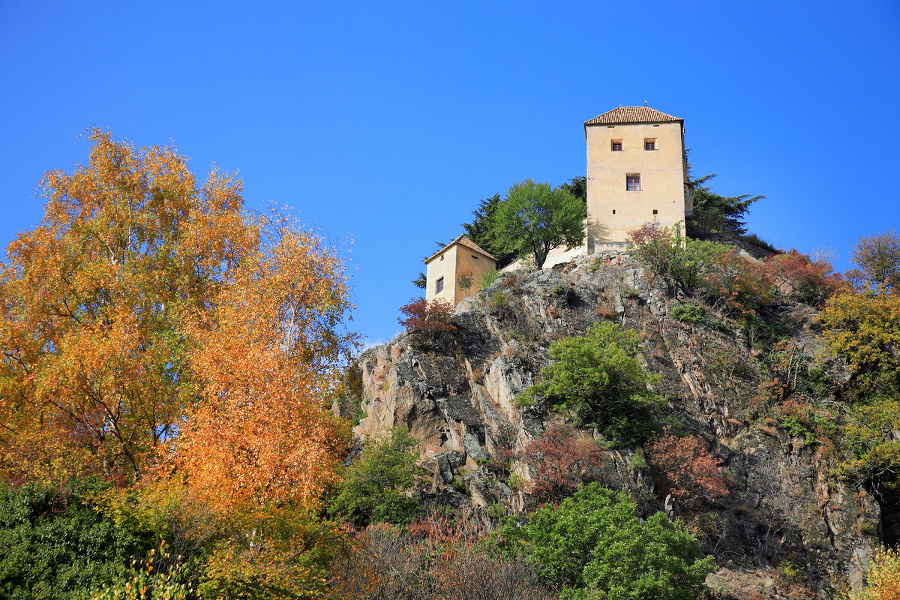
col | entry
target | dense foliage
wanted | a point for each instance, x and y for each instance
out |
(863, 327)
(878, 262)
(535, 218)
(55, 545)
(377, 487)
(598, 379)
(717, 214)
(157, 337)
(561, 459)
(594, 546)
(146, 312)
(683, 264)
(686, 469)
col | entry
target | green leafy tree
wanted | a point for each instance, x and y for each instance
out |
(718, 214)
(535, 218)
(594, 546)
(375, 488)
(599, 379)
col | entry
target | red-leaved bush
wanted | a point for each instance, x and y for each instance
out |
(561, 459)
(428, 323)
(795, 275)
(427, 316)
(686, 469)
(742, 285)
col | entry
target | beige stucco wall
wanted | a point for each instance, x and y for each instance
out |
(663, 175)
(451, 264)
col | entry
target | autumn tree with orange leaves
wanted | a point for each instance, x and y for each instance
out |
(150, 323)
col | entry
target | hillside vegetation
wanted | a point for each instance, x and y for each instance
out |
(676, 421)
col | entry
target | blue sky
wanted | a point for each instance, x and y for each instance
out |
(385, 123)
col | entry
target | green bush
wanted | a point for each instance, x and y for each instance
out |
(687, 312)
(598, 379)
(375, 488)
(594, 546)
(683, 264)
(488, 278)
(55, 545)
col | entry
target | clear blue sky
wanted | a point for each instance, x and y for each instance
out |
(387, 122)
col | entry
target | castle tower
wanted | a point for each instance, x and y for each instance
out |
(636, 173)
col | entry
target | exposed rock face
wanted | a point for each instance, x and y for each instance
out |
(455, 393)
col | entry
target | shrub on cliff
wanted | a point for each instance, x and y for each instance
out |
(428, 324)
(375, 488)
(598, 379)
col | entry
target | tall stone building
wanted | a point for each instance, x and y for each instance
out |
(636, 173)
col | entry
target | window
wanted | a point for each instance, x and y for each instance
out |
(439, 285)
(649, 143)
(655, 212)
(617, 145)
(475, 257)
(614, 211)
(633, 182)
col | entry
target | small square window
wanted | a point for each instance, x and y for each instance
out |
(617, 145)
(655, 212)
(649, 143)
(439, 285)
(633, 183)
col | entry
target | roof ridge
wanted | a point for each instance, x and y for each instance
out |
(632, 114)
(463, 240)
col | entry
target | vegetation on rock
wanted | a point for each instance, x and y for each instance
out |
(376, 488)
(598, 380)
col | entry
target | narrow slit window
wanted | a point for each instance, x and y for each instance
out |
(633, 183)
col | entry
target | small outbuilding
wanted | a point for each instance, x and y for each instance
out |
(454, 272)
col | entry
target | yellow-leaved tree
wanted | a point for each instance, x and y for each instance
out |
(150, 321)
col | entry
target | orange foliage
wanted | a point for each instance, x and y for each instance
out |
(882, 577)
(262, 430)
(148, 313)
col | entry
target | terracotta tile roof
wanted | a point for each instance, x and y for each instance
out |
(631, 114)
(462, 240)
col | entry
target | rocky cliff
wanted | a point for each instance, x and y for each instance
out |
(786, 529)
